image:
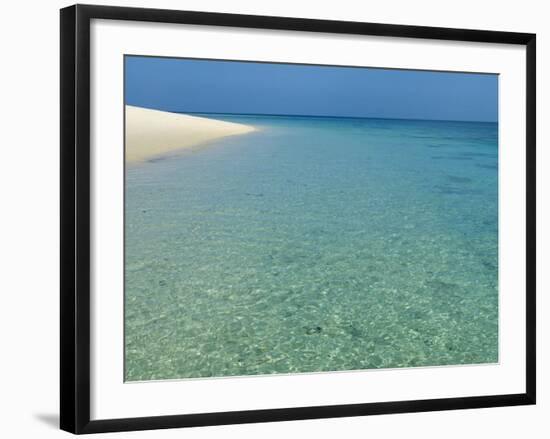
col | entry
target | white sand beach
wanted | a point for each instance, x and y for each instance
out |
(152, 133)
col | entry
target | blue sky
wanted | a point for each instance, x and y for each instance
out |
(205, 86)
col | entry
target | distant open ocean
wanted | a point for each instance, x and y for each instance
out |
(314, 244)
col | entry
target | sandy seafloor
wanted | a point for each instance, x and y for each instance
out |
(314, 244)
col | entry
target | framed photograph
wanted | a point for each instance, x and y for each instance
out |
(268, 218)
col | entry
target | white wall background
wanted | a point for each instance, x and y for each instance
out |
(29, 203)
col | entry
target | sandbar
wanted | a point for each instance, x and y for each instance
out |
(154, 133)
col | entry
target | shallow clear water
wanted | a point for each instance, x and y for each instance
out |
(314, 244)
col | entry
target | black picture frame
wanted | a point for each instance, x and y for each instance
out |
(75, 217)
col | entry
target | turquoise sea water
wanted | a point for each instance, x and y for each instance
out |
(314, 244)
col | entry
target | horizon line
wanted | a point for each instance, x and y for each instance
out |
(333, 117)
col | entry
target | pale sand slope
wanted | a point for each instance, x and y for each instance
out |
(151, 133)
